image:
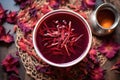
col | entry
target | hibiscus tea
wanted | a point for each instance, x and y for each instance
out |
(62, 37)
(106, 18)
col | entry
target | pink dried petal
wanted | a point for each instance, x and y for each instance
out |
(19, 1)
(83, 5)
(116, 66)
(45, 8)
(109, 49)
(25, 27)
(11, 17)
(7, 38)
(63, 2)
(15, 28)
(13, 77)
(42, 69)
(93, 54)
(33, 12)
(22, 45)
(90, 3)
(21, 13)
(97, 74)
(2, 31)
(24, 3)
(54, 4)
(2, 14)
(10, 63)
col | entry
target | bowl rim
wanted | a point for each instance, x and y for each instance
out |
(71, 63)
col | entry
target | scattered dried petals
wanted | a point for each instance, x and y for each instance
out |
(10, 63)
(109, 49)
(11, 17)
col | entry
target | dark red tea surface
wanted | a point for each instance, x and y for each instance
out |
(62, 37)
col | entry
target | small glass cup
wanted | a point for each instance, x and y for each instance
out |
(104, 19)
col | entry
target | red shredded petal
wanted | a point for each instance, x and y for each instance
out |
(10, 63)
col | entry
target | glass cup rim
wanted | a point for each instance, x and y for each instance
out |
(113, 9)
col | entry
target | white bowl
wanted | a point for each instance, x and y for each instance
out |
(75, 61)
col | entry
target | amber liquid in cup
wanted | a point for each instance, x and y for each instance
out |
(62, 37)
(106, 18)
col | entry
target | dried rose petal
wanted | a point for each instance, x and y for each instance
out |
(90, 3)
(19, 1)
(109, 49)
(7, 38)
(85, 4)
(45, 8)
(11, 17)
(42, 69)
(2, 14)
(97, 74)
(93, 54)
(10, 63)
(13, 77)
(33, 12)
(2, 31)
(23, 3)
(54, 4)
(25, 27)
(22, 45)
(116, 66)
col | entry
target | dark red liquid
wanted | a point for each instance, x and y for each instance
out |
(61, 55)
